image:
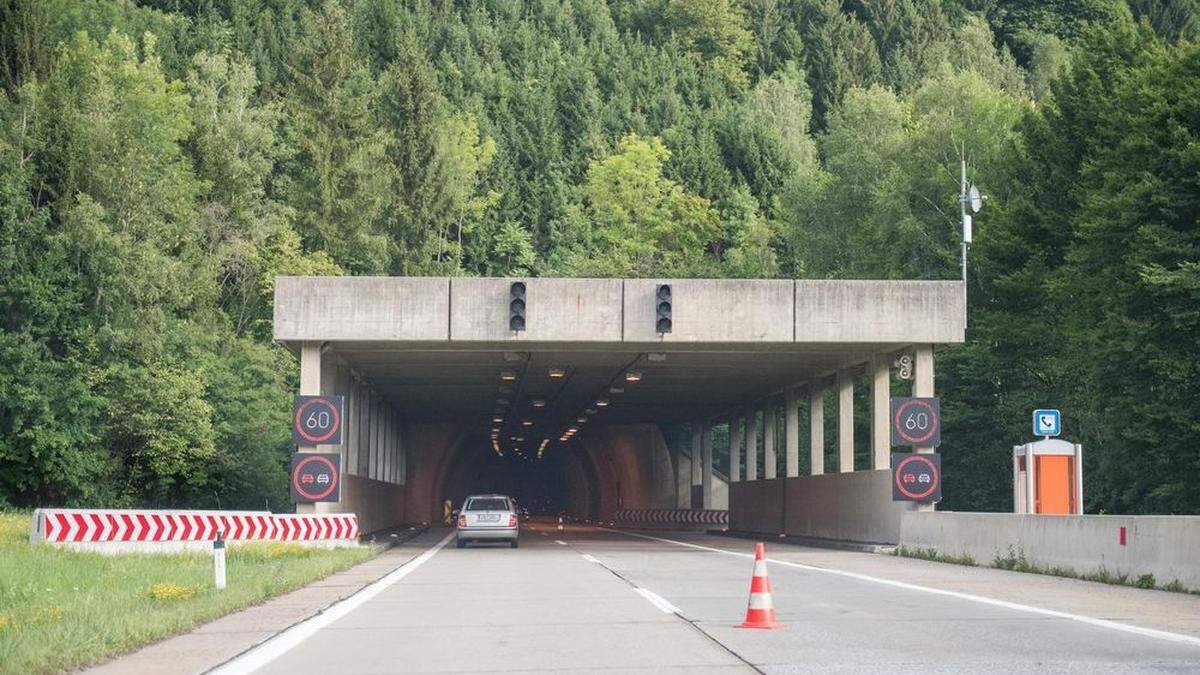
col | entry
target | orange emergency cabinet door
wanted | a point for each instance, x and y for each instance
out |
(1055, 489)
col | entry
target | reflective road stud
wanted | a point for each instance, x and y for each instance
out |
(219, 562)
(760, 613)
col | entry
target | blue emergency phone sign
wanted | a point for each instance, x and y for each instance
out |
(1047, 422)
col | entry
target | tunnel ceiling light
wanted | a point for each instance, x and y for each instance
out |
(601, 402)
(527, 423)
(508, 375)
(539, 403)
(581, 420)
(633, 376)
(497, 419)
(557, 373)
(573, 430)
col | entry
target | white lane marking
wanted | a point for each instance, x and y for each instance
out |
(1102, 623)
(590, 559)
(560, 542)
(276, 646)
(657, 600)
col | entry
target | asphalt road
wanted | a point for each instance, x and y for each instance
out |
(591, 600)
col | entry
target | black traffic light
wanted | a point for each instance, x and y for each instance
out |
(663, 308)
(516, 306)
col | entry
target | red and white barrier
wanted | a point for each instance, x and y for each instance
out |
(135, 527)
(665, 518)
(306, 527)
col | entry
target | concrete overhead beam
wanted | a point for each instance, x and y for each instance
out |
(705, 311)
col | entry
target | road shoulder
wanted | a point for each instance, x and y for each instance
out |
(215, 642)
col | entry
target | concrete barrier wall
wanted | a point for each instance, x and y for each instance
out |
(379, 505)
(757, 506)
(854, 506)
(843, 506)
(1166, 546)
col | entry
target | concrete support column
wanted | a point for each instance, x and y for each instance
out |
(816, 432)
(845, 384)
(791, 434)
(735, 449)
(923, 386)
(881, 409)
(770, 461)
(706, 478)
(751, 443)
(697, 464)
(310, 385)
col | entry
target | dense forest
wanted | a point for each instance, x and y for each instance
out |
(162, 160)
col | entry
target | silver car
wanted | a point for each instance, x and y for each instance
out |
(488, 518)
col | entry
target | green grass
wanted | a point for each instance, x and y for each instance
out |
(60, 609)
(934, 555)
(1015, 560)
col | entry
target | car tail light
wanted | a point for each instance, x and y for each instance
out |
(512, 520)
(462, 521)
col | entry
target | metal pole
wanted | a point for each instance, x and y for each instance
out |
(962, 208)
(219, 562)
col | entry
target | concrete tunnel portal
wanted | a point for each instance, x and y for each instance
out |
(442, 399)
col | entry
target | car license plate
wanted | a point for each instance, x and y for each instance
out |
(489, 518)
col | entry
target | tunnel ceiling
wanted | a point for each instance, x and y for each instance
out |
(468, 385)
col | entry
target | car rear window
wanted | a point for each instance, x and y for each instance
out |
(487, 504)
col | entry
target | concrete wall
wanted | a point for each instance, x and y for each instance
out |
(683, 484)
(377, 504)
(361, 308)
(1166, 546)
(874, 311)
(854, 506)
(438, 309)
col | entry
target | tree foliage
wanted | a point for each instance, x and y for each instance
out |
(162, 161)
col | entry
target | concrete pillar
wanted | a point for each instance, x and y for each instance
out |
(923, 386)
(751, 443)
(845, 385)
(881, 409)
(769, 423)
(791, 434)
(816, 429)
(697, 465)
(735, 449)
(706, 478)
(310, 385)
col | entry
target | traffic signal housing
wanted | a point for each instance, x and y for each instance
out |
(662, 312)
(516, 306)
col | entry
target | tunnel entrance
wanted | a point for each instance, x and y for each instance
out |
(567, 412)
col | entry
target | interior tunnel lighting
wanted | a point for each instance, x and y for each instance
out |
(539, 403)
(557, 373)
(601, 402)
(508, 375)
(498, 419)
(527, 423)
(633, 376)
(581, 420)
(573, 430)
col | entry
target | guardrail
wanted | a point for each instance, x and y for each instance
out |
(667, 518)
(136, 529)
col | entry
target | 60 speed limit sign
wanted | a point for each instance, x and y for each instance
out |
(317, 420)
(917, 422)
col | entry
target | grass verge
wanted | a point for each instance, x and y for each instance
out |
(934, 555)
(61, 610)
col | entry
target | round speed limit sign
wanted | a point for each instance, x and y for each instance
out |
(916, 422)
(317, 420)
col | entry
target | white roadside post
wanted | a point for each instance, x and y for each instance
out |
(219, 562)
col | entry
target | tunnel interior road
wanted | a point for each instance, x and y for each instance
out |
(529, 421)
(586, 600)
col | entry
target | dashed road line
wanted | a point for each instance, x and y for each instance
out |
(657, 600)
(1101, 623)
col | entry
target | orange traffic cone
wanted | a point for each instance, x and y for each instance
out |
(761, 611)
